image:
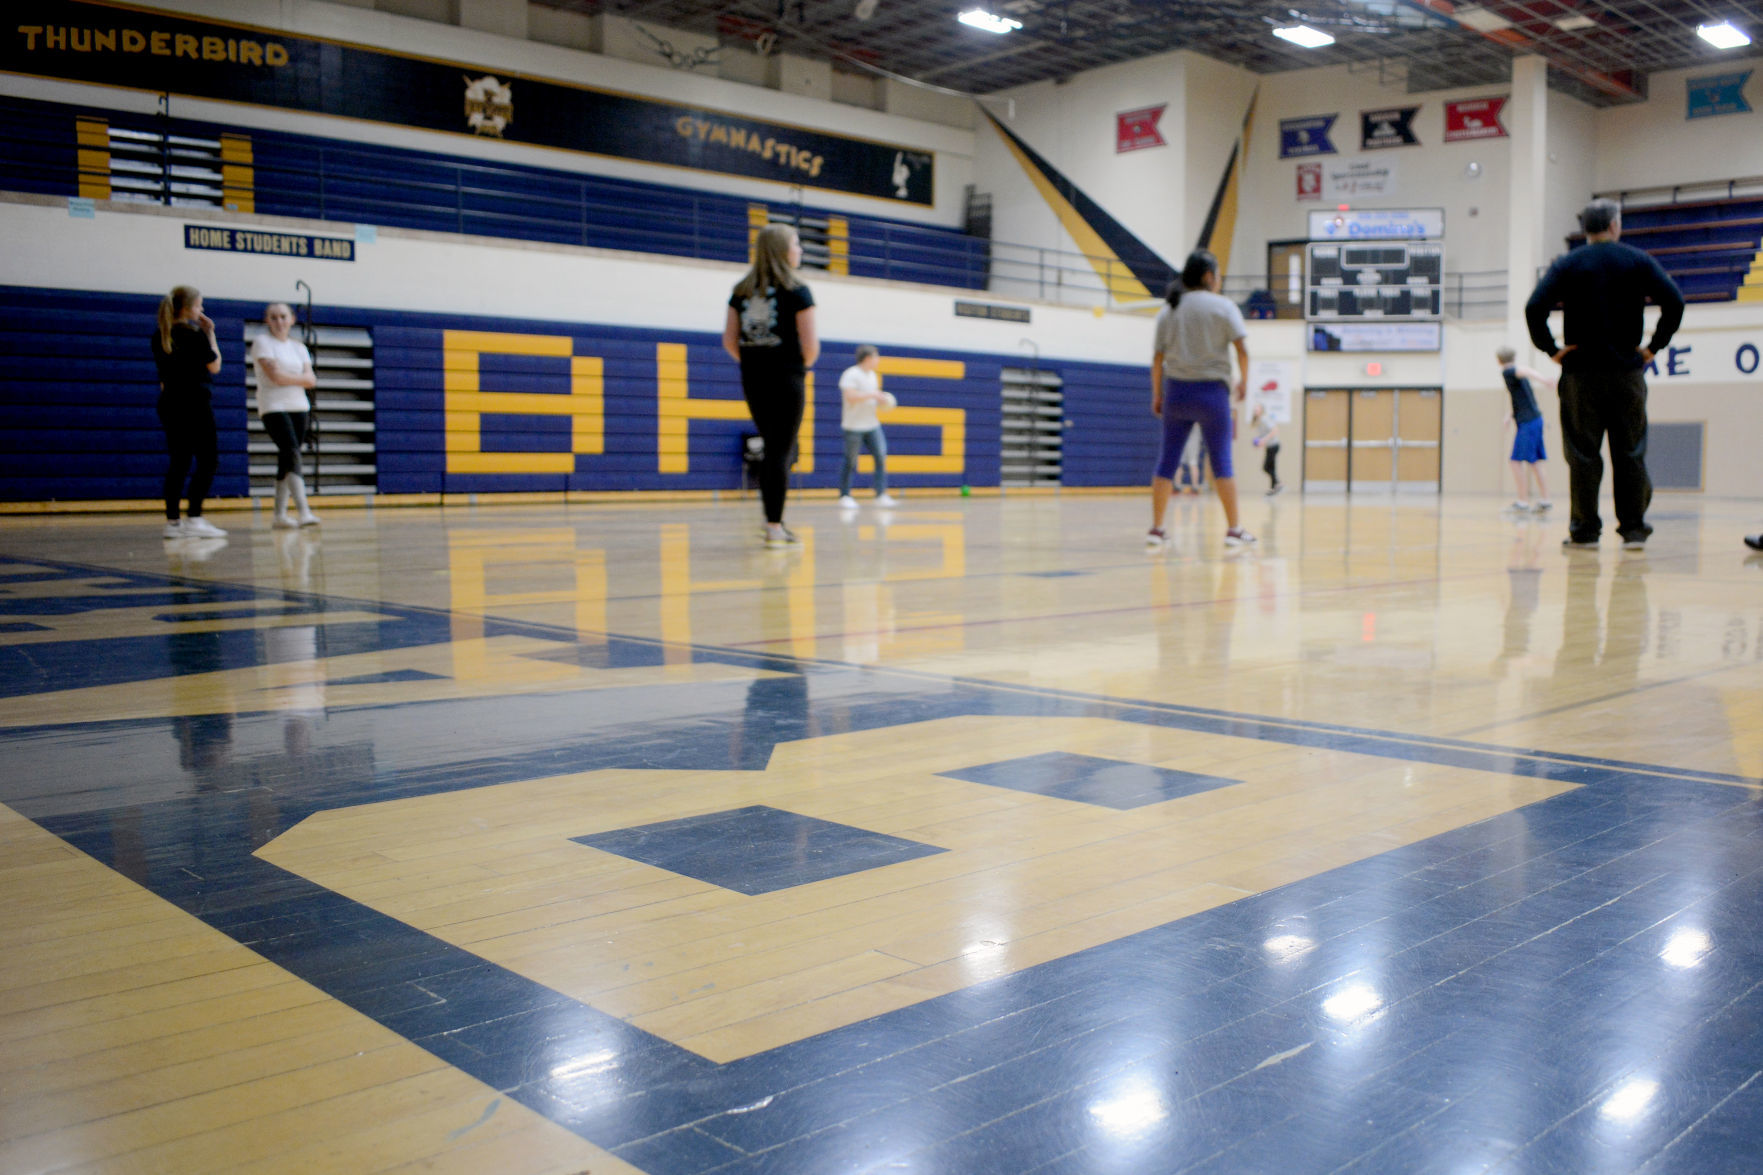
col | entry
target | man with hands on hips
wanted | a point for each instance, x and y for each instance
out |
(1602, 289)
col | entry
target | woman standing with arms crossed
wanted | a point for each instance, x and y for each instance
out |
(188, 358)
(1190, 370)
(284, 372)
(770, 332)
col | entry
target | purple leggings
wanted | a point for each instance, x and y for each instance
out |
(1185, 404)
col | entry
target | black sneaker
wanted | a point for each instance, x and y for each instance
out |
(1572, 544)
(1754, 541)
(1638, 543)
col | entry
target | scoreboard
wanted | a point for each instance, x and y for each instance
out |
(1375, 280)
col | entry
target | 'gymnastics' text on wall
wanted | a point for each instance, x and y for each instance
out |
(176, 54)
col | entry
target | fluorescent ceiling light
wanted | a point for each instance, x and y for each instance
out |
(1481, 20)
(1304, 35)
(1723, 35)
(1573, 24)
(991, 22)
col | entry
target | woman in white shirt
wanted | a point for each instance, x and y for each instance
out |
(284, 372)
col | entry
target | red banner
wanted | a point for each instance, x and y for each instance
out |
(1474, 118)
(1135, 130)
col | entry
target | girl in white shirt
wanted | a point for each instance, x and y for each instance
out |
(284, 372)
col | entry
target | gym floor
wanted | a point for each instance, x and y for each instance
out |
(966, 838)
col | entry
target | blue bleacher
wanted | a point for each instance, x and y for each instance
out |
(330, 179)
(1707, 246)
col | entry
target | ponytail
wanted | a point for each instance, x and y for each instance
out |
(1193, 275)
(171, 311)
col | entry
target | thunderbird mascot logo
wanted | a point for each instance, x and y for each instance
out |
(489, 105)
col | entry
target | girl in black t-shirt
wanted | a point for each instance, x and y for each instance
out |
(770, 332)
(187, 357)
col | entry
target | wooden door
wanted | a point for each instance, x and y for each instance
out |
(1419, 429)
(1285, 277)
(1326, 436)
(1374, 432)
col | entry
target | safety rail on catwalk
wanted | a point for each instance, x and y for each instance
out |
(56, 149)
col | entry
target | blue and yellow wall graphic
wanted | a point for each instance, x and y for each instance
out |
(466, 404)
(1131, 270)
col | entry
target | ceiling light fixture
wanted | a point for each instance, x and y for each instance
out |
(1305, 36)
(1723, 35)
(991, 22)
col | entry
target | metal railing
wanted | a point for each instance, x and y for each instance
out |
(325, 180)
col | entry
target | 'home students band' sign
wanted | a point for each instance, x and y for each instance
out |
(176, 54)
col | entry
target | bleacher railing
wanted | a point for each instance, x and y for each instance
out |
(304, 176)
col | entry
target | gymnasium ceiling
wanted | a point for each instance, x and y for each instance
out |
(1600, 51)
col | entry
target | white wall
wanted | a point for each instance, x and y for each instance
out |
(1161, 194)
(134, 248)
(953, 146)
(1652, 143)
(1434, 174)
(1572, 169)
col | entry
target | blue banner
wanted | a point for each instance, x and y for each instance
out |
(1721, 94)
(1306, 136)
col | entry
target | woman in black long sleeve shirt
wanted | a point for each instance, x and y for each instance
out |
(187, 356)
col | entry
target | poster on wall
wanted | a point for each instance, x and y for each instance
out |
(1474, 118)
(1309, 181)
(1134, 130)
(1352, 179)
(1272, 384)
(184, 55)
(1718, 94)
(1306, 136)
(1392, 127)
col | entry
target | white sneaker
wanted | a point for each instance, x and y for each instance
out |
(174, 529)
(886, 500)
(309, 519)
(201, 528)
(283, 522)
(1154, 539)
(847, 502)
(1236, 536)
(1541, 507)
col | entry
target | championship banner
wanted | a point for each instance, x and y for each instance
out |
(1474, 118)
(1134, 130)
(1720, 94)
(1306, 136)
(1388, 128)
(160, 52)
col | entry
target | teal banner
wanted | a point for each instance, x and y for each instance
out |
(1719, 94)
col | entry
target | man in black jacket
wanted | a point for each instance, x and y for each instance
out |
(1602, 288)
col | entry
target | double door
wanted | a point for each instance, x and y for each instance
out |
(1372, 440)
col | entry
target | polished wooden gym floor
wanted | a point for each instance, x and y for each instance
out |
(966, 838)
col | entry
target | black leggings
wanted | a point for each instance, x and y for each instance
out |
(1270, 463)
(189, 434)
(775, 401)
(288, 431)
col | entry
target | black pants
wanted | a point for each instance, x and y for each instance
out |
(189, 435)
(1596, 404)
(1270, 463)
(288, 431)
(775, 401)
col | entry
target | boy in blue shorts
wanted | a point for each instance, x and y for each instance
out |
(1527, 445)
